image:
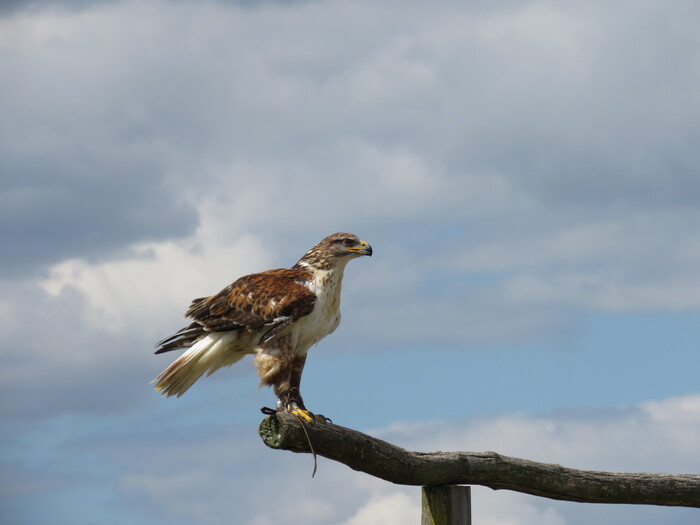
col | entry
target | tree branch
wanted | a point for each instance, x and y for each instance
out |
(397, 465)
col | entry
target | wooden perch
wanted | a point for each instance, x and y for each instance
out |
(397, 465)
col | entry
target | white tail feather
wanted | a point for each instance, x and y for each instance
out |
(207, 355)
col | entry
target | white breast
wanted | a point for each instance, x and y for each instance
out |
(325, 317)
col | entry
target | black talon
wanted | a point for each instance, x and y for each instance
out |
(268, 411)
(319, 417)
(323, 418)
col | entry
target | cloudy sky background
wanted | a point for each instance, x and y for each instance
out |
(528, 174)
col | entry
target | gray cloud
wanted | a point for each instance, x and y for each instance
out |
(453, 140)
(552, 99)
(13, 7)
(82, 173)
(50, 215)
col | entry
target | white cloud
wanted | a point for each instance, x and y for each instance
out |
(391, 509)
(156, 281)
(615, 439)
(511, 509)
(89, 326)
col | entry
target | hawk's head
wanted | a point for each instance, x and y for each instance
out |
(335, 250)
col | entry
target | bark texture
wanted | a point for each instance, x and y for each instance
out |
(397, 465)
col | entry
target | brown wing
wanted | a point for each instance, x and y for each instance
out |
(275, 299)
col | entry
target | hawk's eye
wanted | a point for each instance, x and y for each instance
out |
(348, 242)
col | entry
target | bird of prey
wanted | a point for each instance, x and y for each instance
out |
(277, 315)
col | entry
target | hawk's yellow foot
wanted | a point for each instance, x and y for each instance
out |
(303, 414)
(309, 417)
(306, 415)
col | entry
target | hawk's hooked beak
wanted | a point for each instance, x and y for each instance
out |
(363, 249)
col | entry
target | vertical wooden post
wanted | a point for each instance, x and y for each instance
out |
(446, 505)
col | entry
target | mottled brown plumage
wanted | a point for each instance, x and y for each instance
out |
(277, 315)
(270, 298)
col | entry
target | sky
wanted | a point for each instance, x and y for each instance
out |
(527, 173)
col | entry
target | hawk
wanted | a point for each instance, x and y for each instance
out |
(277, 315)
